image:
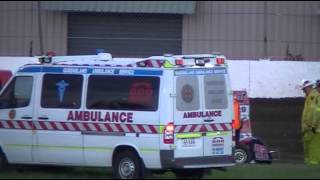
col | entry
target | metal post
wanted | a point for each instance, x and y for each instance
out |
(40, 29)
(31, 48)
(265, 26)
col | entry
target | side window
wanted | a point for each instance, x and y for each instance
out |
(215, 92)
(123, 93)
(17, 94)
(187, 93)
(61, 91)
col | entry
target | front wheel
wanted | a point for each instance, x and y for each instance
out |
(127, 165)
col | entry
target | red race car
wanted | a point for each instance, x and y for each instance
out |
(248, 148)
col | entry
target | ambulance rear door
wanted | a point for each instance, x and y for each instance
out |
(217, 114)
(188, 136)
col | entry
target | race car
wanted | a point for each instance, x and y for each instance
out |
(249, 149)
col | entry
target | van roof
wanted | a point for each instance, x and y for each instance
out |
(115, 70)
(88, 70)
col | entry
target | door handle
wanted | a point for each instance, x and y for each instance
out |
(43, 118)
(208, 120)
(26, 117)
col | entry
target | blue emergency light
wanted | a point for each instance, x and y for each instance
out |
(100, 50)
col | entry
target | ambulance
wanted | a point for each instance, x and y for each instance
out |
(132, 115)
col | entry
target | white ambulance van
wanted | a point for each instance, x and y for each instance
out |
(156, 114)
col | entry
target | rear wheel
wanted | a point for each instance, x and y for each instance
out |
(127, 165)
(189, 173)
(243, 154)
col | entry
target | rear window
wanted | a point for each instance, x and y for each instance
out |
(215, 92)
(123, 93)
(187, 93)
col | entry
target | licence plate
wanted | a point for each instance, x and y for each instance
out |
(218, 151)
(190, 142)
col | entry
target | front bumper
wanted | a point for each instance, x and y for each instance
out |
(169, 162)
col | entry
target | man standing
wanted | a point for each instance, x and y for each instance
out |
(315, 141)
(307, 87)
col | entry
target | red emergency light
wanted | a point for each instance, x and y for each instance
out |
(220, 61)
(179, 62)
(51, 53)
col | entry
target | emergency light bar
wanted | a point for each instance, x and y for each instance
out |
(201, 61)
(165, 61)
(77, 59)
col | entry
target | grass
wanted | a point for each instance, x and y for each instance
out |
(249, 171)
(275, 171)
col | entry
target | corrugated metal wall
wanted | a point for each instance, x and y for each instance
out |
(163, 7)
(254, 29)
(239, 29)
(124, 35)
(19, 29)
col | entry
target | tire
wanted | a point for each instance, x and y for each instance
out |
(127, 165)
(189, 173)
(243, 154)
(3, 161)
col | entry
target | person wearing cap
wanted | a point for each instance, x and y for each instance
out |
(315, 141)
(310, 93)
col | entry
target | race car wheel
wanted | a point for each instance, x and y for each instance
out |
(242, 154)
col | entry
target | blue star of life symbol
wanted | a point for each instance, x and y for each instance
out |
(61, 87)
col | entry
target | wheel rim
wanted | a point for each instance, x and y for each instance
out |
(240, 156)
(126, 168)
